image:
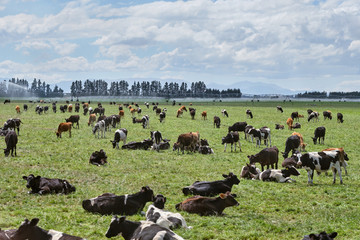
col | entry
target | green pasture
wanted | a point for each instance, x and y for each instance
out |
(267, 210)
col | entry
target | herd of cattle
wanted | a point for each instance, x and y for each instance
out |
(209, 198)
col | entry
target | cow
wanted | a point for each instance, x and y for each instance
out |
(29, 230)
(99, 110)
(266, 135)
(145, 145)
(247, 133)
(340, 118)
(309, 111)
(212, 188)
(319, 133)
(255, 133)
(43, 185)
(250, 171)
(6, 234)
(77, 107)
(280, 176)
(13, 123)
(217, 122)
(249, 113)
(238, 126)
(320, 162)
(99, 127)
(267, 156)
(321, 236)
(132, 111)
(292, 144)
(63, 127)
(343, 156)
(295, 116)
(120, 135)
(179, 113)
(166, 219)
(302, 144)
(98, 158)
(278, 126)
(73, 119)
(129, 204)
(92, 119)
(296, 125)
(146, 230)
(7, 101)
(192, 113)
(62, 109)
(327, 115)
(70, 107)
(224, 113)
(204, 115)
(231, 137)
(46, 108)
(110, 122)
(205, 206)
(17, 108)
(291, 161)
(11, 140)
(158, 111)
(162, 145)
(313, 116)
(145, 121)
(65, 107)
(156, 137)
(138, 110)
(188, 140)
(86, 110)
(183, 108)
(162, 116)
(289, 122)
(279, 108)
(25, 107)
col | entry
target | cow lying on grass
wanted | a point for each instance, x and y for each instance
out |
(145, 145)
(43, 185)
(98, 158)
(320, 236)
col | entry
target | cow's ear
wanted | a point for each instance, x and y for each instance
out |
(222, 195)
(24, 177)
(34, 221)
(248, 156)
(143, 189)
(225, 176)
(164, 199)
(333, 235)
(38, 177)
(121, 219)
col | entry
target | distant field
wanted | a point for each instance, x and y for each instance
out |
(267, 210)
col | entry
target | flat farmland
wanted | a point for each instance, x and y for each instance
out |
(267, 210)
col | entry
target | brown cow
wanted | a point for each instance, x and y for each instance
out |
(92, 119)
(188, 140)
(267, 156)
(17, 108)
(204, 115)
(206, 206)
(121, 113)
(302, 144)
(70, 108)
(63, 127)
(179, 113)
(289, 122)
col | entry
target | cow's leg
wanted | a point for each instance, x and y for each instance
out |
(269, 138)
(225, 147)
(69, 133)
(232, 147)
(239, 145)
(310, 176)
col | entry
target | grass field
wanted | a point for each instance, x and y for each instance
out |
(267, 210)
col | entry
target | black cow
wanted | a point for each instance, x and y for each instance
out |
(340, 118)
(295, 115)
(320, 236)
(292, 144)
(48, 185)
(129, 204)
(217, 121)
(54, 108)
(249, 113)
(86, 109)
(73, 119)
(238, 126)
(231, 137)
(46, 108)
(77, 107)
(279, 108)
(13, 123)
(62, 109)
(145, 145)
(327, 115)
(130, 230)
(319, 134)
(98, 158)
(212, 188)
(11, 140)
(25, 107)
(29, 230)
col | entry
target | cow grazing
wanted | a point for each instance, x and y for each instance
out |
(162, 116)
(289, 122)
(342, 155)
(7, 101)
(255, 133)
(292, 144)
(204, 115)
(179, 113)
(11, 140)
(279, 108)
(217, 121)
(309, 111)
(156, 137)
(145, 145)
(158, 111)
(280, 176)
(267, 156)
(205, 206)
(63, 127)
(212, 188)
(278, 126)
(295, 116)
(25, 107)
(92, 120)
(188, 141)
(340, 118)
(146, 230)
(98, 158)
(320, 162)
(266, 135)
(30, 231)
(62, 109)
(77, 107)
(320, 236)
(86, 110)
(249, 113)
(192, 113)
(250, 171)
(109, 203)
(17, 108)
(231, 137)
(73, 119)
(314, 116)
(99, 127)
(327, 115)
(247, 133)
(13, 123)
(46, 109)
(224, 113)
(319, 134)
(166, 219)
(302, 144)
(43, 185)
(120, 135)
(238, 127)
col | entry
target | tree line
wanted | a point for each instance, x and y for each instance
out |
(332, 95)
(21, 88)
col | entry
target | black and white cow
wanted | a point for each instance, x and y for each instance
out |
(43, 185)
(145, 121)
(319, 134)
(320, 162)
(145, 145)
(156, 137)
(99, 127)
(212, 188)
(313, 116)
(98, 158)
(249, 113)
(277, 175)
(255, 133)
(129, 204)
(162, 116)
(145, 230)
(320, 236)
(165, 144)
(120, 135)
(29, 230)
(166, 219)
(266, 135)
(232, 138)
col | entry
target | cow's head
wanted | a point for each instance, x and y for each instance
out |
(57, 134)
(28, 230)
(314, 140)
(232, 178)
(229, 199)
(117, 226)
(148, 192)
(32, 181)
(251, 159)
(113, 143)
(159, 201)
(176, 146)
(204, 142)
(299, 162)
(6, 152)
(248, 171)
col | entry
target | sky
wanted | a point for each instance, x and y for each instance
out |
(311, 45)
